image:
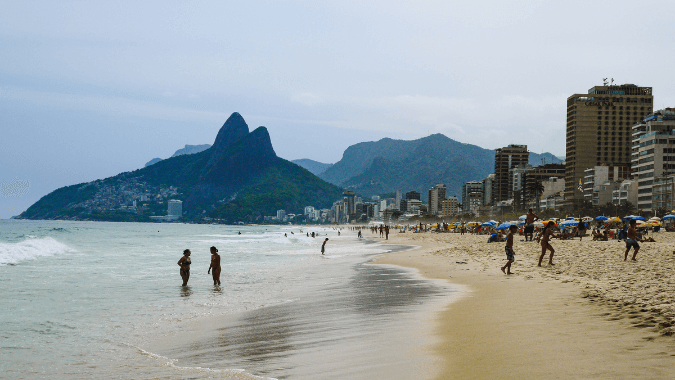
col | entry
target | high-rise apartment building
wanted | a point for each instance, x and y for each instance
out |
(175, 209)
(436, 195)
(505, 159)
(653, 159)
(599, 130)
(472, 197)
(412, 195)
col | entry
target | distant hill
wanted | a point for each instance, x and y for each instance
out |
(387, 165)
(153, 161)
(189, 149)
(314, 167)
(239, 178)
(537, 159)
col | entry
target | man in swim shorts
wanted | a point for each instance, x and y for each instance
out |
(529, 224)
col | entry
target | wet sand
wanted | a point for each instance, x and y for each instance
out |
(376, 325)
(592, 315)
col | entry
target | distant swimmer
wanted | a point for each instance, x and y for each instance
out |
(323, 246)
(215, 265)
(338, 232)
(360, 236)
(239, 233)
(285, 235)
(292, 233)
(184, 263)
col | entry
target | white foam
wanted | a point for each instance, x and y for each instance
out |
(31, 249)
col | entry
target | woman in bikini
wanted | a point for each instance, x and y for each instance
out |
(546, 235)
(215, 265)
(184, 263)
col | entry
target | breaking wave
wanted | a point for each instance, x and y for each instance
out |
(31, 249)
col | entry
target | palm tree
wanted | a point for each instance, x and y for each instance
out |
(538, 190)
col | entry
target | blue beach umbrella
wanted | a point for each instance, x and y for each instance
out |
(639, 218)
(669, 217)
(570, 223)
(601, 218)
(569, 218)
(522, 217)
(504, 226)
(487, 224)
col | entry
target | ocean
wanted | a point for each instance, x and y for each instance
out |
(104, 300)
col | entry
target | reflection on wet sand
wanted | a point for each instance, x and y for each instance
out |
(340, 331)
(185, 291)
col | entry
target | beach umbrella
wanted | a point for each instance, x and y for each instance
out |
(521, 223)
(669, 217)
(601, 218)
(639, 218)
(504, 226)
(538, 224)
(487, 224)
(587, 219)
(570, 223)
(570, 218)
(522, 217)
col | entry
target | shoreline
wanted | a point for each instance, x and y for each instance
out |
(537, 324)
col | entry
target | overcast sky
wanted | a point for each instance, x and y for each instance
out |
(90, 90)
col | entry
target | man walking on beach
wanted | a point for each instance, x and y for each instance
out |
(510, 255)
(529, 226)
(386, 232)
(323, 246)
(632, 241)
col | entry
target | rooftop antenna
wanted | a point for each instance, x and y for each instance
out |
(612, 81)
(604, 81)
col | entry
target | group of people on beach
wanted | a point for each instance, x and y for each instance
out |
(544, 238)
(214, 268)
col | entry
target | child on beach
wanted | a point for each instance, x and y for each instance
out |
(510, 255)
(546, 235)
(632, 241)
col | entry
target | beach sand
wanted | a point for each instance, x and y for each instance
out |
(591, 316)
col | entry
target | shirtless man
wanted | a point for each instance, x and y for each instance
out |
(529, 227)
(632, 241)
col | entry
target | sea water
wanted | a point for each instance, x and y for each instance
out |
(104, 300)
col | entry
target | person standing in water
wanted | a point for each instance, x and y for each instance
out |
(215, 265)
(323, 246)
(184, 263)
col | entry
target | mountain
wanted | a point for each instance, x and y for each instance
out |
(314, 167)
(387, 165)
(239, 178)
(189, 149)
(537, 159)
(152, 162)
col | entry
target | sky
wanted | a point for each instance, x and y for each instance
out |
(92, 89)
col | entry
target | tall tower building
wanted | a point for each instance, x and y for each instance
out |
(599, 130)
(505, 159)
(436, 196)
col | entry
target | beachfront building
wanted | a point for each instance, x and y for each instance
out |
(653, 155)
(536, 177)
(599, 130)
(308, 210)
(436, 196)
(505, 159)
(600, 181)
(349, 197)
(472, 197)
(281, 215)
(517, 177)
(412, 195)
(175, 209)
(627, 192)
(411, 206)
(450, 206)
(488, 185)
(399, 196)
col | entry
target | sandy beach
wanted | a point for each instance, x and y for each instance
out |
(592, 315)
